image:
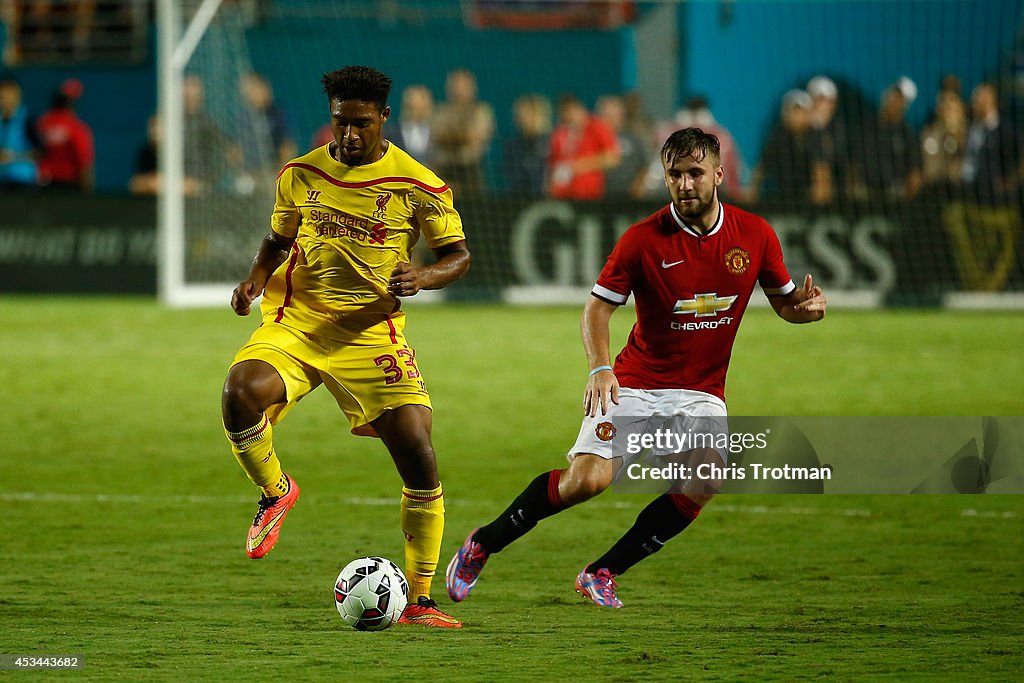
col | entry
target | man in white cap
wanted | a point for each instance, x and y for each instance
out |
(792, 167)
(833, 138)
(825, 96)
(894, 170)
(831, 128)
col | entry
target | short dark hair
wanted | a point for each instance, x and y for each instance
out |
(358, 83)
(689, 142)
(568, 99)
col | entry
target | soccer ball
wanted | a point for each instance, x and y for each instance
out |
(371, 593)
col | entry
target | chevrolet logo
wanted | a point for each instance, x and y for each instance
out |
(704, 305)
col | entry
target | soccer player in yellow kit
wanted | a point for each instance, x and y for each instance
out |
(332, 272)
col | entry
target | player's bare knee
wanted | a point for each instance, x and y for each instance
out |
(587, 476)
(422, 454)
(581, 490)
(246, 394)
(416, 463)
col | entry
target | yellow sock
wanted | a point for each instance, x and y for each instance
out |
(423, 526)
(254, 450)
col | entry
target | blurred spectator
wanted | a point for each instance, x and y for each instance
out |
(52, 29)
(792, 162)
(322, 136)
(943, 141)
(951, 83)
(622, 179)
(462, 133)
(992, 159)
(210, 154)
(832, 138)
(413, 131)
(582, 148)
(19, 143)
(894, 169)
(696, 113)
(637, 121)
(68, 154)
(270, 143)
(146, 175)
(526, 152)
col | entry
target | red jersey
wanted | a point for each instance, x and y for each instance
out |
(567, 146)
(691, 291)
(67, 146)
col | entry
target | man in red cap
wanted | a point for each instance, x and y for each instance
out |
(68, 152)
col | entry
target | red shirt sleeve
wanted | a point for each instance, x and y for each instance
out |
(605, 136)
(773, 277)
(555, 146)
(81, 139)
(615, 283)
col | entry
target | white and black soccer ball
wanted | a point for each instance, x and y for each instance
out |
(371, 593)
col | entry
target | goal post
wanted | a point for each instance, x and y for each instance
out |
(175, 48)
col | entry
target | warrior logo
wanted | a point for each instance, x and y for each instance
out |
(312, 195)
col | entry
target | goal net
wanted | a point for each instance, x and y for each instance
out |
(881, 138)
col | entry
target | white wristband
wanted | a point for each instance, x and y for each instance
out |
(599, 369)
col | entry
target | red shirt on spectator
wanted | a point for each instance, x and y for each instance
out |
(568, 145)
(67, 147)
(322, 136)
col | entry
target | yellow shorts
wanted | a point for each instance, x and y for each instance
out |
(367, 375)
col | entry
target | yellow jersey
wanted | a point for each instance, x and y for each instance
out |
(351, 225)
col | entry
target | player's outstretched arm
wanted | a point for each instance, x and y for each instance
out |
(272, 252)
(803, 305)
(602, 385)
(452, 263)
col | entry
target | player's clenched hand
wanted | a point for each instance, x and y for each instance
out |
(813, 301)
(405, 280)
(242, 297)
(602, 391)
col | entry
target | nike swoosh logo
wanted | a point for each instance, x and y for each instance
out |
(426, 617)
(255, 541)
(669, 265)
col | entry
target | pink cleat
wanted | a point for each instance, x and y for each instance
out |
(465, 568)
(599, 588)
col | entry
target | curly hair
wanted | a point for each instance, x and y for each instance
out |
(358, 83)
(691, 142)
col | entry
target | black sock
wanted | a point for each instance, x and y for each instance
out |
(654, 526)
(538, 501)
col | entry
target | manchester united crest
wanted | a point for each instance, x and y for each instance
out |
(737, 261)
(605, 431)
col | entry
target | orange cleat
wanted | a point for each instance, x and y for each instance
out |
(424, 612)
(266, 525)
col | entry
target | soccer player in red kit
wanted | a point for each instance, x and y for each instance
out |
(691, 267)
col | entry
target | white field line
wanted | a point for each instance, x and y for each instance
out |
(123, 499)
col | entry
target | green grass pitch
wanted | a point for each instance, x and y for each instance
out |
(124, 512)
